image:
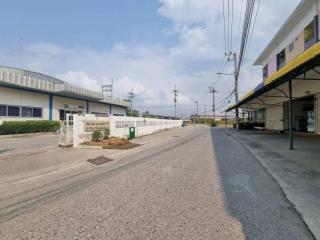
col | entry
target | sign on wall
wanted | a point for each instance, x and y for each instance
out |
(94, 125)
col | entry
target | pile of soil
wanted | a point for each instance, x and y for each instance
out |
(113, 143)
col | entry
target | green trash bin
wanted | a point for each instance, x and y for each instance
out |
(132, 133)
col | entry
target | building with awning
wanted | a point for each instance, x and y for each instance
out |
(288, 98)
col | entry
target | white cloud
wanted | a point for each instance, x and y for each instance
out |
(152, 70)
(81, 79)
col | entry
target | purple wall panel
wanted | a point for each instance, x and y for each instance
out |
(272, 65)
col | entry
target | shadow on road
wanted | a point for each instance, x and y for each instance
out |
(252, 195)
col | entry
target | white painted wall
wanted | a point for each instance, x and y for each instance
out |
(292, 29)
(60, 102)
(10, 96)
(274, 118)
(119, 126)
(118, 110)
(99, 108)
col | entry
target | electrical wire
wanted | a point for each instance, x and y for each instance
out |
(224, 27)
(252, 30)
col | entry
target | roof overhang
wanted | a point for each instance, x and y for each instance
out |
(298, 66)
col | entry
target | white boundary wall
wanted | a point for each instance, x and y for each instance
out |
(119, 126)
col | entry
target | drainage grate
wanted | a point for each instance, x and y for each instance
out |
(100, 160)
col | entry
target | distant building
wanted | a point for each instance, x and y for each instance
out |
(292, 57)
(26, 95)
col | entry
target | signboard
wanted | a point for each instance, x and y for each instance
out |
(94, 125)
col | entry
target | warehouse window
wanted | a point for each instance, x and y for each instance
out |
(281, 59)
(3, 110)
(37, 112)
(291, 47)
(13, 111)
(265, 72)
(26, 112)
(61, 114)
(309, 32)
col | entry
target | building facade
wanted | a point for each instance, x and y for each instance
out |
(290, 75)
(26, 95)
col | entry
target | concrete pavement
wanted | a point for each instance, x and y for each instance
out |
(182, 188)
(168, 192)
(253, 196)
(298, 171)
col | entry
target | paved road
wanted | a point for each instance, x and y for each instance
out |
(13, 145)
(186, 189)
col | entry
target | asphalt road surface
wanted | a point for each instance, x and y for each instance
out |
(201, 185)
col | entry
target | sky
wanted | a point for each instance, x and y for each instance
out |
(149, 46)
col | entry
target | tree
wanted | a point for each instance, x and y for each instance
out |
(146, 114)
(135, 113)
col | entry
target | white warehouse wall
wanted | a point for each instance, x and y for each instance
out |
(10, 96)
(274, 118)
(118, 110)
(99, 108)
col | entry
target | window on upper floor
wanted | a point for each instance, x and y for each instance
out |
(281, 59)
(291, 47)
(265, 72)
(309, 32)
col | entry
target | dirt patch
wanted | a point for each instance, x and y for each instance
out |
(100, 160)
(113, 143)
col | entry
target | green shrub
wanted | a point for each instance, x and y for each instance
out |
(213, 124)
(106, 133)
(96, 136)
(20, 127)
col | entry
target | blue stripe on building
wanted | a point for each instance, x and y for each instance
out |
(50, 106)
(87, 106)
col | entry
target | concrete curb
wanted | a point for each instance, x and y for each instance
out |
(275, 177)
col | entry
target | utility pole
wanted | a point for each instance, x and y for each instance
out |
(236, 83)
(131, 97)
(197, 103)
(107, 90)
(175, 94)
(205, 114)
(213, 91)
(236, 93)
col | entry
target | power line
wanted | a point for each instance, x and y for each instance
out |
(252, 30)
(231, 49)
(224, 27)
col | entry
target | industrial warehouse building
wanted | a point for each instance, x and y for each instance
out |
(288, 98)
(26, 95)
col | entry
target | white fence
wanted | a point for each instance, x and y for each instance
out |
(119, 126)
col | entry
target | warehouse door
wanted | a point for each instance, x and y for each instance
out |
(303, 111)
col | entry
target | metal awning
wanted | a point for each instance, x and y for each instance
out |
(305, 67)
(295, 69)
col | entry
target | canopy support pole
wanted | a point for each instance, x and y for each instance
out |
(290, 116)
